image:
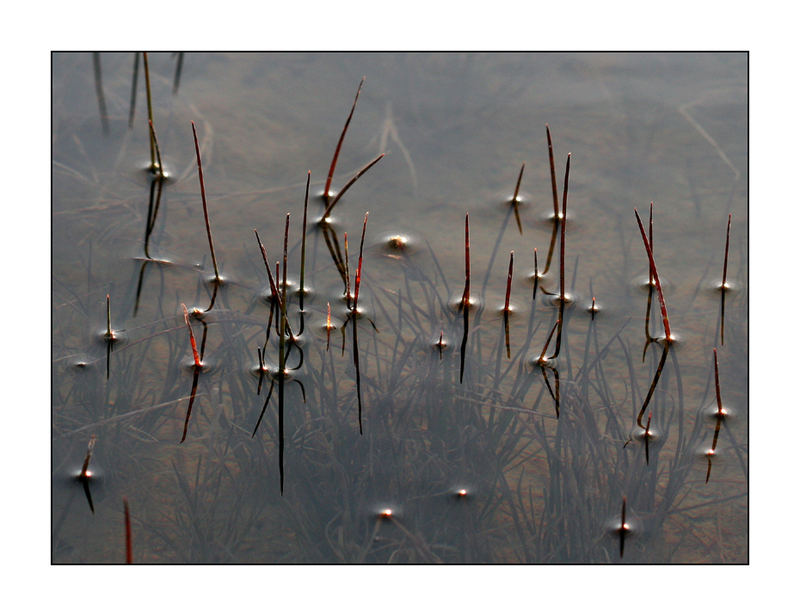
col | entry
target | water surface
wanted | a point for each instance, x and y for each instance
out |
(540, 455)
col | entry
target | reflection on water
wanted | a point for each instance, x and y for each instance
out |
(508, 435)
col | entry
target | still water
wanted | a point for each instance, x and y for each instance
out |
(472, 451)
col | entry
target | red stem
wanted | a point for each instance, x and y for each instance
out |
(326, 193)
(197, 362)
(661, 301)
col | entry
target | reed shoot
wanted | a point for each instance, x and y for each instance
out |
(197, 363)
(109, 335)
(665, 318)
(160, 170)
(552, 172)
(721, 412)
(303, 254)
(326, 193)
(465, 298)
(506, 306)
(217, 277)
(153, 164)
(725, 266)
(134, 80)
(352, 181)
(563, 294)
(515, 199)
(85, 472)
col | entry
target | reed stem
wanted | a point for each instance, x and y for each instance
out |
(506, 307)
(159, 171)
(326, 193)
(197, 362)
(665, 318)
(725, 266)
(552, 172)
(149, 110)
(465, 298)
(134, 81)
(205, 205)
(352, 181)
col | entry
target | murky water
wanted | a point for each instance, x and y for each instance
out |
(508, 462)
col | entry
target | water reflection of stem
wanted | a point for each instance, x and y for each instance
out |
(128, 541)
(98, 87)
(653, 385)
(178, 69)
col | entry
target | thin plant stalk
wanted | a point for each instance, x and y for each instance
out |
(282, 360)
(303, 256)
(535, 273)
(205, 205)
(562, 295)
(720, 409)
(134, 82)
(352, 181)
(552, 172)
(85, 474)
(355, 319)
(326, 193)
(160, 169)
(465, 298)
(196, 355)
(724, 287)
(651, 280)
(149, 110)
(506, 306)
(727, 245)
(665, 318)
(515, 199)
(347, 273)
(98, 86)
